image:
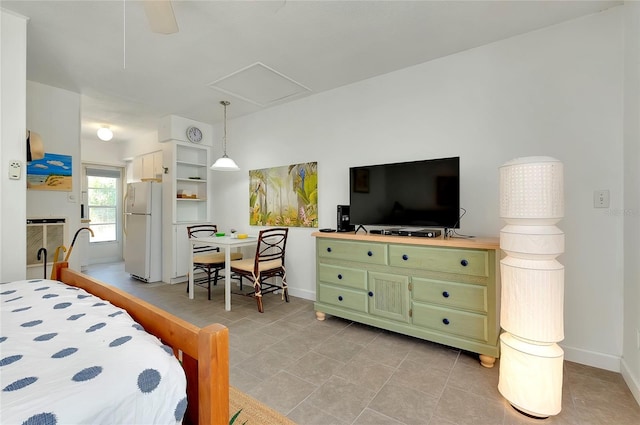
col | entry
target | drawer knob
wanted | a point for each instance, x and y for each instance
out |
(370, 294)
(464, 263)
(339, 297)
(339, 276)
(328, 249)
(445, 294)
(405, 257)
(370, 254)
(445, 321)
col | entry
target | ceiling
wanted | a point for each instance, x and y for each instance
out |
(258, 54)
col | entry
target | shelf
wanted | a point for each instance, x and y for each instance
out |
(191, 164)
(182, 179)
(191, 155)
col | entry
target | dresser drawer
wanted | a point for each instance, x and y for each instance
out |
(450, 294)
(343, 297)
(469, 325)
(343, 276)
(471, 262)
(362, 252)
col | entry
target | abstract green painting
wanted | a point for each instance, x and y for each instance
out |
(284, 196)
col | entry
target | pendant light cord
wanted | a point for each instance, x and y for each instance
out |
(225, 103)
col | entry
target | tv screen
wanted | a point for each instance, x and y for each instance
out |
(413, 194)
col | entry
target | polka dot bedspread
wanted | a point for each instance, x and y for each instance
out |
(68, 357)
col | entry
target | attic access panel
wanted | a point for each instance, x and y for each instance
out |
(259, 84)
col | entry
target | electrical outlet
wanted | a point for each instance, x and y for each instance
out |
(601, 199)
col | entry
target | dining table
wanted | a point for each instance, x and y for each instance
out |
(226, 243)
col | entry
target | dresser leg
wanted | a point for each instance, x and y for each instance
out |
(320, 315)
(487, 361)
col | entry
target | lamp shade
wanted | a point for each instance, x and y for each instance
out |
(539, 242)
(225, 163)
(531, 376)
(531, 190)
(532, 299)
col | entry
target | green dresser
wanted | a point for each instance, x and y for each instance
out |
(441, 290)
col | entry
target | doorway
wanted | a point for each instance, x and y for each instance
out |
(102, 193)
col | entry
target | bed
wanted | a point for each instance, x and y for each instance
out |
(68, 386)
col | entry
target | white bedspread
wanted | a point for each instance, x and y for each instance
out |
(68, 357)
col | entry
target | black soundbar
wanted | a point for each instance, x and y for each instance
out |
(421, 233)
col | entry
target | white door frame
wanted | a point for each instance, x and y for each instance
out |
(105, 252)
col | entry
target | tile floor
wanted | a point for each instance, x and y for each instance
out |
(340, 372)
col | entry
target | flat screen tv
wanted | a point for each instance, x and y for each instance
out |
(416, 194)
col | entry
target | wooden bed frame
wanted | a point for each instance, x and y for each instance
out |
(204, 352)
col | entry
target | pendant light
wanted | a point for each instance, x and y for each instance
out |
(225, 163)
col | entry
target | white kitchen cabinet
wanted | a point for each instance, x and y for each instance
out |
(152, 166)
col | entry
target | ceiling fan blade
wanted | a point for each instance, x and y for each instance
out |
(160, 15)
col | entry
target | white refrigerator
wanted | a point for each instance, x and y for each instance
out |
(143, 231)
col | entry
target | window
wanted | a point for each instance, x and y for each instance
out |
(102, 202)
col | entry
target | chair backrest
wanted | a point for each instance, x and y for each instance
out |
(202, 231)
(271, 245)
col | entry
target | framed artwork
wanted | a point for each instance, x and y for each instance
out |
(361, 181)
(284, 196)
(52, 172)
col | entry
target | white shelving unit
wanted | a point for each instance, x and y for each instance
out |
(191, 167)
(185, 202)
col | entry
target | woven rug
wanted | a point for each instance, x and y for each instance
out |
(253, 411)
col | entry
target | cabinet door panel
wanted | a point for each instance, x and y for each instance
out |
(182, 251)
(353, 251)
(343, 297)
(461, 323)
(389, 296)
(343, 276)
(450, 294)
(449, 260)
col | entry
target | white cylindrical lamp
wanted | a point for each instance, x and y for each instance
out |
(532, 297)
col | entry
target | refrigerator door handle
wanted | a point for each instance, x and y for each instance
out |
(124, 214)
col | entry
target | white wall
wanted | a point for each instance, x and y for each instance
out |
(102, 153)
(145, 144)
(13, 71)
(556, 92)
(55, 114)
(631, 212)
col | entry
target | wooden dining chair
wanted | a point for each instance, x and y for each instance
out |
(268, 263)
(207, 259)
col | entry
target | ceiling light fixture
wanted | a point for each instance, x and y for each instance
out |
(225, 163)
(105, 134)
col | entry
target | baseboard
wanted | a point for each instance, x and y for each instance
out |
(179, 279)
(592, 358)
(104, 260)
(633, 382)
(302, 293)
